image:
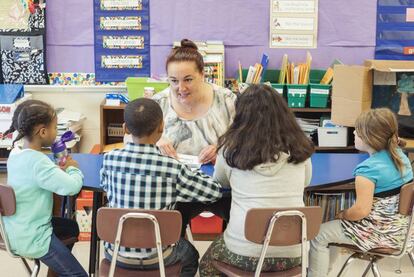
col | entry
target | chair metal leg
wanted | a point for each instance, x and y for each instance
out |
(189, 234)
(36, 268)
(398, 270)
(347, 262)
(368, 268)
(26, 265)
(411, 255)
(375, 269)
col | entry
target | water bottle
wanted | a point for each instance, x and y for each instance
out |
(60, 152)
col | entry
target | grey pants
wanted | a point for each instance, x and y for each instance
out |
(319, 261)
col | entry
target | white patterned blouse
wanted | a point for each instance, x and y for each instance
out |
(191, 136)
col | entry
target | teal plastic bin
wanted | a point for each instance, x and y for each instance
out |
(272, 76)
(319, 94)
(136, 85)
(296, 95)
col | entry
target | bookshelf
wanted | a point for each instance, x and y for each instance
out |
(331, 199)
(111, 118)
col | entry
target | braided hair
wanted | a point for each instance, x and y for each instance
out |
(31, 115)
(13, 127)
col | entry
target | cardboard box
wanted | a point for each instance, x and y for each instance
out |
(84, 218)
(352, 87)
(332, 136)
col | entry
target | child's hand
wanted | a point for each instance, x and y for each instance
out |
(70, 162)
(340, 215)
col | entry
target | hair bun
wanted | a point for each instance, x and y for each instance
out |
(186, 43)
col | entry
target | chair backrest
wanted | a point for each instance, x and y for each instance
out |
(7, 200)
(406, 199)
(139, 233)
(287, 230)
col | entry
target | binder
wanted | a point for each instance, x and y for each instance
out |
(9, 93)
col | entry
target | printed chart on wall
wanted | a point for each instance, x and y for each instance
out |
(122, 39)
(293, 23)
(395, 30)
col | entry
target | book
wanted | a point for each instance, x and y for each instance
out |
(328, 77)
(250, 74)
(190, 160)
(283, 69)
(264, 62)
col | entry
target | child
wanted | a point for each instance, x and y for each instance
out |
(155, 181)
(32, 231)
(373, 221)
(265, 158)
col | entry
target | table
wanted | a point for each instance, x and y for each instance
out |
(327, 169)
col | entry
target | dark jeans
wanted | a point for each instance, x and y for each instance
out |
(59, 258)
(190, 210)
(183, 252)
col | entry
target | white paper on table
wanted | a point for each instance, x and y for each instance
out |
(190, 160)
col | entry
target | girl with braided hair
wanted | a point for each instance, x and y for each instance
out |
(32, 231)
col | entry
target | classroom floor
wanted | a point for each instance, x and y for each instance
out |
(13, 267)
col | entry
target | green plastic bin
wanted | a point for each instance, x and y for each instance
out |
(319, 94)
(279, 88)
(136, 85)
(296, 95)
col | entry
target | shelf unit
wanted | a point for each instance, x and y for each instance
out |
(115, 115)
(110, 115)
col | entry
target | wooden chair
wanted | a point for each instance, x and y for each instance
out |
(278, 227)
(405, 208)
(8, 208)
(138, 229)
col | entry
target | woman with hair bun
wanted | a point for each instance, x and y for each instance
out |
(196, 113)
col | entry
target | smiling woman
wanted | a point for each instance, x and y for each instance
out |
(196, 113)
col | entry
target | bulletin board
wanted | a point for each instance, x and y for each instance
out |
(121, 39)
(395, 30)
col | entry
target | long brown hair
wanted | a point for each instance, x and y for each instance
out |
(378, 128)
(263, 127)
(187, 52)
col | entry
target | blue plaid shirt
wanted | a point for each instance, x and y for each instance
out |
(138, 176)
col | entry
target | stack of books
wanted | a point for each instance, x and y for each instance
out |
(331, 203)
(308, 125)
(256, 72)
(295, 74)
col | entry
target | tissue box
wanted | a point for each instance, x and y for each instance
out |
(332, 136)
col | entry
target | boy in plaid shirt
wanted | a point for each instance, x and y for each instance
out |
(138, 176)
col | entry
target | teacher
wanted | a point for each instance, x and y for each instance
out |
(196, 113)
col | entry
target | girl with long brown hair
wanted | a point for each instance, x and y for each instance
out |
(373, 221)
(265, 158)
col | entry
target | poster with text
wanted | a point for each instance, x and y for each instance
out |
(293, 23)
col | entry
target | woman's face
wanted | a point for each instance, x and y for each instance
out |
(185, 81)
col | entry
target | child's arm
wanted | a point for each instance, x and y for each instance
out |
(221, 173)
(195, 186)
(364, 199)
(50, 177)
(308, 172)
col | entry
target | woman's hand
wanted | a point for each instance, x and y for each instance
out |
(208, 154)
(167, 148)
